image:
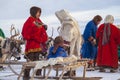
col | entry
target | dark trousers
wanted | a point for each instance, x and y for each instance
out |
(1, 54)
(32, 57)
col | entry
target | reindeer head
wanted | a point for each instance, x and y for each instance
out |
(15, 42)
(11, 47)
(67, 29)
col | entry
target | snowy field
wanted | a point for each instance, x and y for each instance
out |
(7, 74)
(82, 10)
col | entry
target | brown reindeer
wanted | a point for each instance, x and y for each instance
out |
(11, 47)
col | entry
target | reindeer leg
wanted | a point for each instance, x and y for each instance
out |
(4, 57)
(72, 46)
(78, 47)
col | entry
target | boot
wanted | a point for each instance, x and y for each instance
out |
(94, 63)
(102, 69)
(113, 70)
(74, 73)
(26, 74)
(90, 63)
(68, 73)
(38, 73)
(26, 78)
(1, 68)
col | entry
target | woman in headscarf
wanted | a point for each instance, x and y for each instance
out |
(108, 40)
(89, 48)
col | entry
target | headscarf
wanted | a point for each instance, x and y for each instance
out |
(109, 19)
(107, 30)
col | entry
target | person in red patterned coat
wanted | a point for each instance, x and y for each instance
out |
(34, 34)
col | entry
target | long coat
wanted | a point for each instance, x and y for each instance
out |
(88, 50)
(34, 35)
(108, 53)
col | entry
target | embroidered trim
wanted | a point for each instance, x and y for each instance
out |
(33, 50)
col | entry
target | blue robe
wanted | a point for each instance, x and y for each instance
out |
(88, 50)
(60, 52)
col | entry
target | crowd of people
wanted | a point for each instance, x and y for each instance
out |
(100, 43)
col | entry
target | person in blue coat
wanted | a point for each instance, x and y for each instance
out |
(89, 47)
(57, 50)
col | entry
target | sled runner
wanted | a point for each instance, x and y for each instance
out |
(63, 64)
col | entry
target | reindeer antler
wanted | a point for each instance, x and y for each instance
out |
(58, 29)
(16, 32)
(52, 32)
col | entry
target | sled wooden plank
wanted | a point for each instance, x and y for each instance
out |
(75, 78)
(23, 68)
(12, 63)
(48, 73)
(84, 71)
(27, 65)
(55, 67)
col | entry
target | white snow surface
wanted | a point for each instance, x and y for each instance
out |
(7, 74)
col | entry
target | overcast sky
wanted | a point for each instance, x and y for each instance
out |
(19, 9)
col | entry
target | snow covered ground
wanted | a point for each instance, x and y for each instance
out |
(7, 74)
(79, 11)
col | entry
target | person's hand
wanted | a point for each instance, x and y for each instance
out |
(90, 38)
(45, 26)
(65, 46)
(94, 42)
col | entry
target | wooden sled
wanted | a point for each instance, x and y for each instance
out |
(64, 67)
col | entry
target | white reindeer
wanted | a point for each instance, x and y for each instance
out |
(70, 32)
